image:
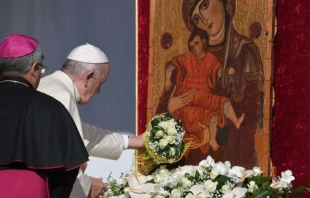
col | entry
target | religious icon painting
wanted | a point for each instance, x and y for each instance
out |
(211, 67)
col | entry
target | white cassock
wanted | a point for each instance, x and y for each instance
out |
(98, 142)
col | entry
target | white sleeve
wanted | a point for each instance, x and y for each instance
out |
(81, 186)
(103, 143)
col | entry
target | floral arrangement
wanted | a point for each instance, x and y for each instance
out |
(164, 143)
(208, 179)
(164, 139)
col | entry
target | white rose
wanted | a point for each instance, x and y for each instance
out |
(158, 178)
(168, 181)
(176, 193)
(170, 139)
(214, 173)
(163, 143)
(185, 183)
(159, 133)
(257, 171)
(222, 169)
(209, 162)
(210, 185)
(126, 190)
(171, 130)
(225, 189)
(236, 171)
(164, 125)
(200, 170)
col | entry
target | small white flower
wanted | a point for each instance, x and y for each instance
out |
(225, 189)
(176, 193)
(185, 183)
(287, 176)
(121, 182)
(163, 143)
(158, 178)
(257, 171)
(172, 150)
(210, 185)
(252, 187)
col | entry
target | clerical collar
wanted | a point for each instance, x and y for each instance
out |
(17, 80)
(66, 80)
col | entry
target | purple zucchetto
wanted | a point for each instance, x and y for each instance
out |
(17, 45)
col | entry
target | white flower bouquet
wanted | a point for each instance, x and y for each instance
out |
(164, 139)
(208, 179)
(164, 143)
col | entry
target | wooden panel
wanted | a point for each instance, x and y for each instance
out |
(245, 45)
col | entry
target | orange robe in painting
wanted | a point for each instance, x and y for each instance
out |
(201, 76)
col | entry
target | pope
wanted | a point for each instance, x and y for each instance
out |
(82, 74)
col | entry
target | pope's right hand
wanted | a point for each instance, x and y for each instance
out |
(97, 188)
(178, 102)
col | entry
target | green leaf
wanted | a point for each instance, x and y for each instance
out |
(151, 181)
(259, 181)
(262, 193)
(197, 175)
(155, 122)
(221, 180)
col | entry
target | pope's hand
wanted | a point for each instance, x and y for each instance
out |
(97, 188)
(135, 142)
(178, 102)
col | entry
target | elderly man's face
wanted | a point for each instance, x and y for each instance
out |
(209, 15)
(95, 83)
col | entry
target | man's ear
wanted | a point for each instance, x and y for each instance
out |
(33, 69)
(87, 77)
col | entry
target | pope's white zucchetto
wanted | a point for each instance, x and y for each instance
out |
(88, 54)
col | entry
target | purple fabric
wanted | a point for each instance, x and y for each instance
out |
(17, 45)
(23, 183)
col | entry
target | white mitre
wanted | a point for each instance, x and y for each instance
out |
(88, 54)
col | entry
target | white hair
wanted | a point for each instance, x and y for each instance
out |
(77, 68)
(21, 64)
